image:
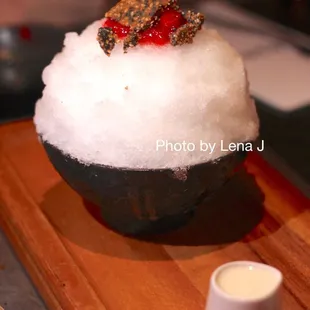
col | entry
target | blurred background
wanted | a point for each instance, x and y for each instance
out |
(272, 35)
(32, 31)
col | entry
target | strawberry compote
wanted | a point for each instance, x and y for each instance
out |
(169, 20)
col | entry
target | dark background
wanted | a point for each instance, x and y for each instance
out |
(292, 13)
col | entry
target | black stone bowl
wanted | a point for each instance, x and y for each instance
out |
(144, 202)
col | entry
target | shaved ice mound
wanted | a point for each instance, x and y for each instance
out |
(111, 111)
(119, 97)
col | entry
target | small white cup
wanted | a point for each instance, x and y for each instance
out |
(219, 299)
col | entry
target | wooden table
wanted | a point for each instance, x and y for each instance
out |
(76, 263)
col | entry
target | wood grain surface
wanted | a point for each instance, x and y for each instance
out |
(77, 263)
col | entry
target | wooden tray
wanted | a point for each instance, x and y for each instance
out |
(76, 263)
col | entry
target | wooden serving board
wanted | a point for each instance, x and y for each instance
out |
(76, 263)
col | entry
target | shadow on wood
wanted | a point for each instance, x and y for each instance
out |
(226, 218)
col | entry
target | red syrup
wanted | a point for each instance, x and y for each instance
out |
(158, 34)
(120, 30)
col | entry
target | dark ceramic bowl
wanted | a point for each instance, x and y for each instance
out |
(142, 202)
